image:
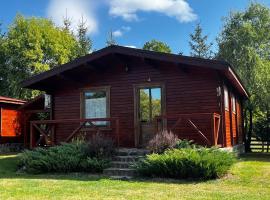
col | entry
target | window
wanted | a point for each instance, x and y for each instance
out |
(96, 104)
(226, 99)
(150, 104)
(233, 104)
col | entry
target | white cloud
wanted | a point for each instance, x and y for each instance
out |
(75, 9)
(127, 9)
(131, 46)
(120, 32)
(117, 33)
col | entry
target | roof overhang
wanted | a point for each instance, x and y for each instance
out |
(8, 100)
(35, 81)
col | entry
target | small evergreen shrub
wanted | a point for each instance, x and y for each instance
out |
(162, 141)
(11, 147)
(180, 144)
(184, 163)
(78, 156)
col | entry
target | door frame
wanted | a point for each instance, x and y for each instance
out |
(136, 88)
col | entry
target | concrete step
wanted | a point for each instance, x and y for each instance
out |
(123, 172)
(131, 152)
(126, 158)
(118, 164)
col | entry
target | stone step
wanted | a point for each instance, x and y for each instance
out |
(123, 172)
(131, 152)
(126, 158)
(118, 164)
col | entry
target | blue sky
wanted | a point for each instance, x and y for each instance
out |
(133, 21)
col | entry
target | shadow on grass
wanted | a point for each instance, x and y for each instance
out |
(8, 170)
(254, 156)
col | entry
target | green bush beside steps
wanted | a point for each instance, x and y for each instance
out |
(202, 163)
(78, 156)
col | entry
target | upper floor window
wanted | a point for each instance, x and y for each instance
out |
(96, 104)
(233, 104)
(226, 98)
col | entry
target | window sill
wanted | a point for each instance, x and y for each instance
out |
(102, 128)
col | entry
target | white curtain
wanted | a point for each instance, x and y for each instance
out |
(96, 108)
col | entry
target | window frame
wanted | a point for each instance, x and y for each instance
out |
(95, 89)
(226, 97)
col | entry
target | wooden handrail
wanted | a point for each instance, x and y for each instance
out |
(82, 122)
(215, 127)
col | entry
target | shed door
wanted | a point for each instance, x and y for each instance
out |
(149, 105)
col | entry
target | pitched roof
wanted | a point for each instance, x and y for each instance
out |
(115, 49)
(11, 100)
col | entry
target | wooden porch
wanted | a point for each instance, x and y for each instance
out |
(43, 132)
(203, 128)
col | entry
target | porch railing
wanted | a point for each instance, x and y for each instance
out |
(43, 131)
(180, 124)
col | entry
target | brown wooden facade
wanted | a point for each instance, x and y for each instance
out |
(191, 94)
(10, 120)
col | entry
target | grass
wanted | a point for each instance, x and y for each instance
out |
(248, 179)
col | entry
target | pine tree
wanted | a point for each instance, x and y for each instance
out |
(198, 44)
(67, 23)
(85, 43)
(111, 40)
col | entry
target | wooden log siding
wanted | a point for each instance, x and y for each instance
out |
(191, 91)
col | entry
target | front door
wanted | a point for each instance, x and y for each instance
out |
(149, 104)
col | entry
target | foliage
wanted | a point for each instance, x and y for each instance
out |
(70, 157)
(187, 163)
(198, 44)
(85, 43)
(244, 42)
(158, 46)
(100, 146)
(249, 180)
(145, 108)
(111, 40)
(11, 148)
(33, 45)
(180, 144)
(162, 141)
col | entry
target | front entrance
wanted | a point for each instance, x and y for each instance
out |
(149, 103)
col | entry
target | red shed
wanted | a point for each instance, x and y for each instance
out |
(10, 126)
(131, 94)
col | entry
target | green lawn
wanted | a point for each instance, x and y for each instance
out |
(248, 179)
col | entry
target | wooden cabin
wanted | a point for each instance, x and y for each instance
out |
(10, 120)
(131, 94)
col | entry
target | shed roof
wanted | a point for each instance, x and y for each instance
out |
(35, 82)
(11, 100)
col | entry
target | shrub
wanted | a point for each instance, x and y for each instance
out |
(100, 147)
(186, 163)
(94, 164)
(63, 158)
(180, 144)
(162, 141)
(11, 147)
